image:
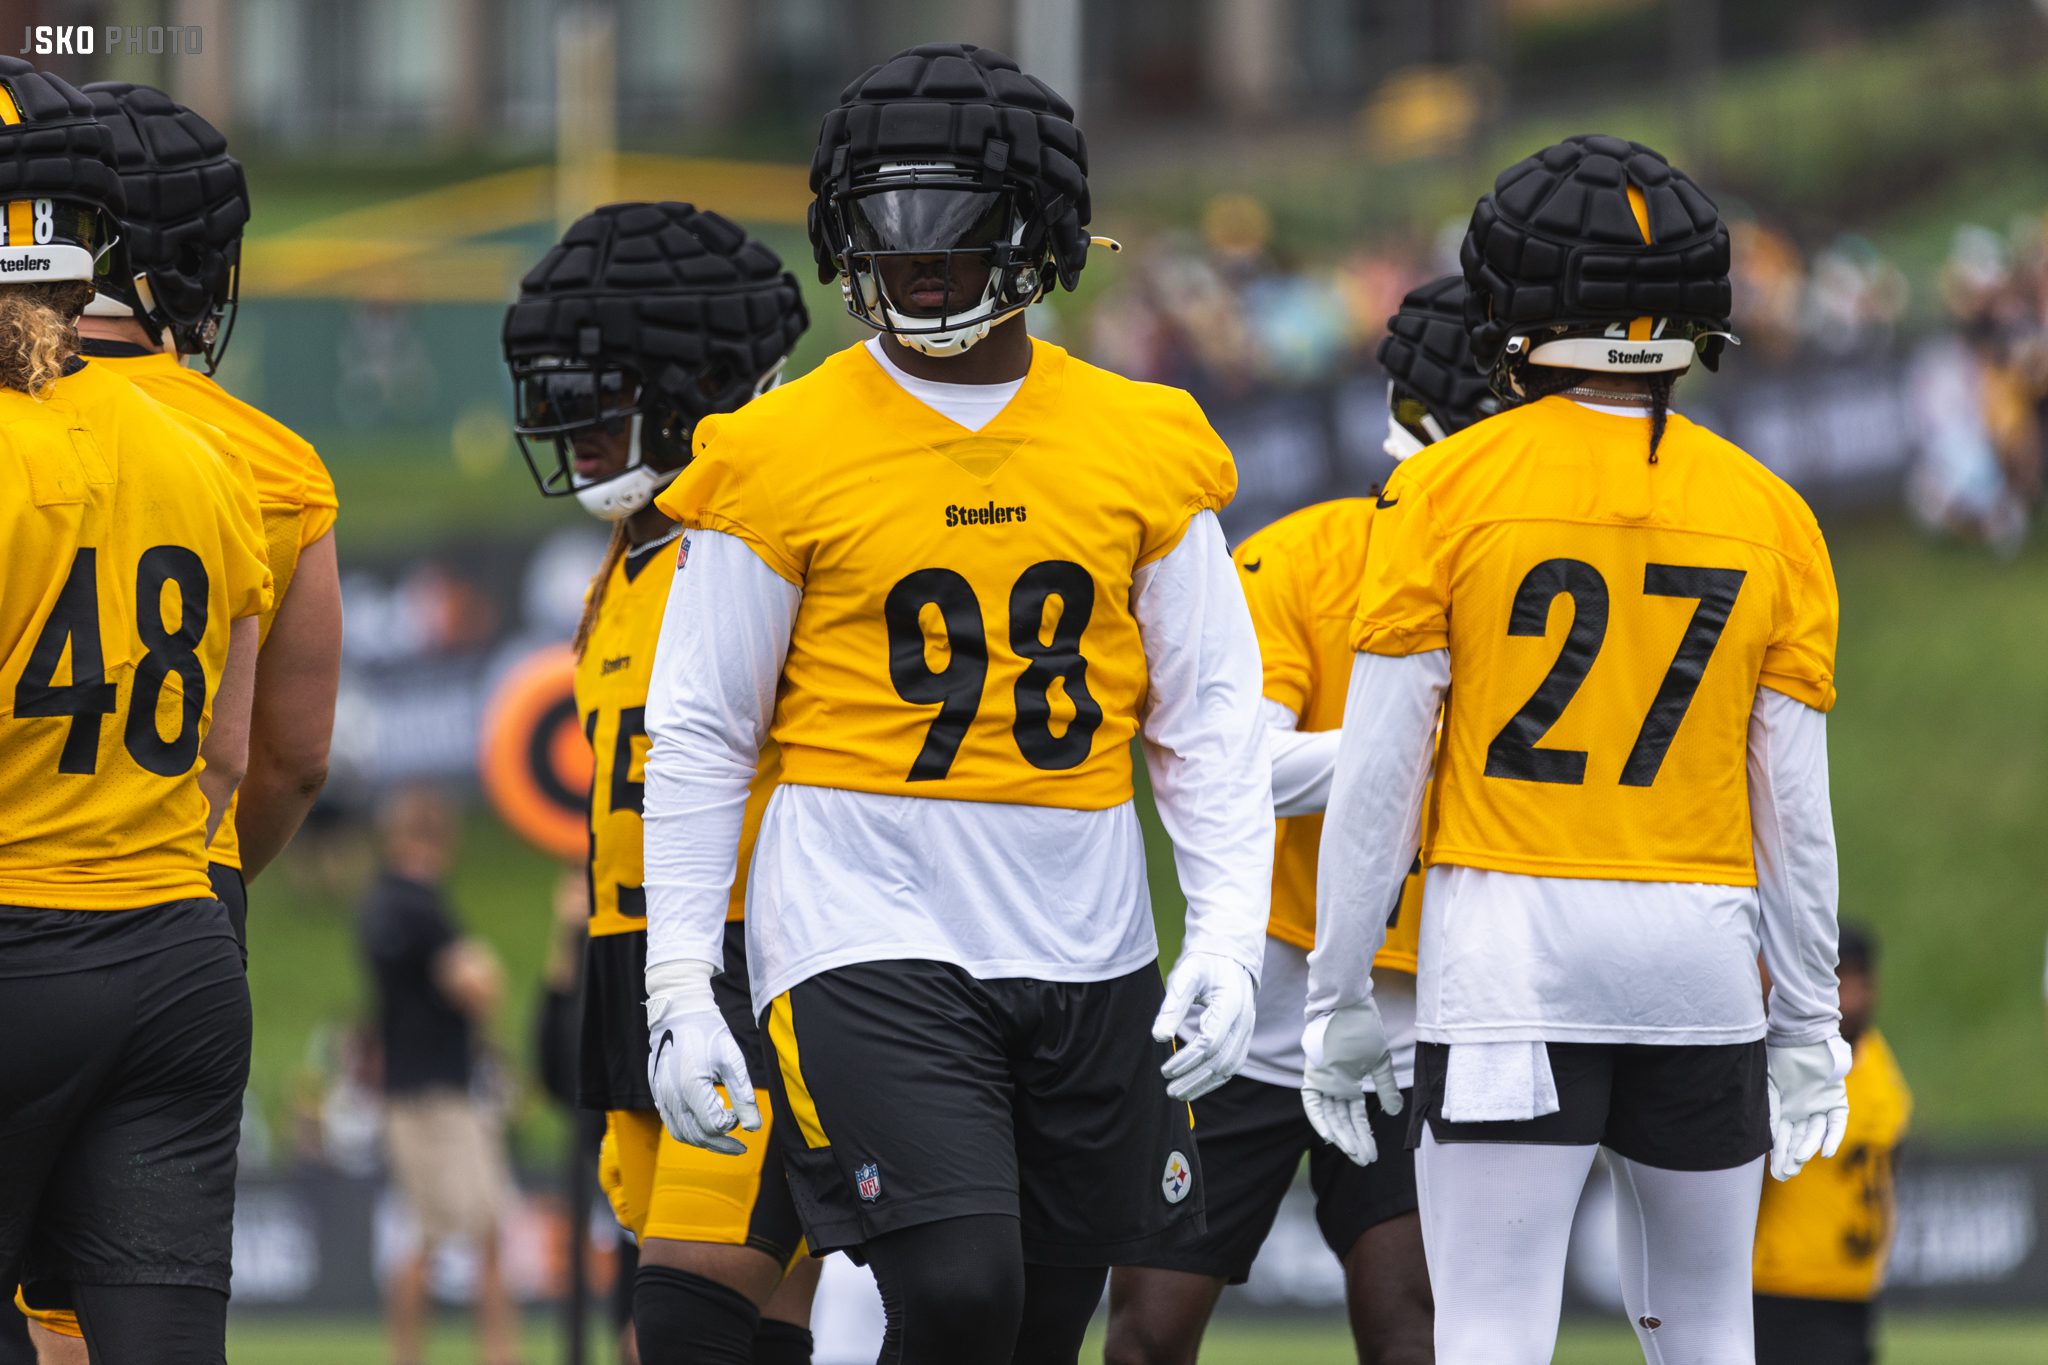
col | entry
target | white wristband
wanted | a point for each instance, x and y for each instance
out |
(679, 987)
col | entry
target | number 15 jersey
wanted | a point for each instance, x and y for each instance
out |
(966, 629)
(1609, 620)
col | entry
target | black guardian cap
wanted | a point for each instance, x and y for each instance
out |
(948, 150)
(648, 316)
(60, 195)
(179, 266)
(1433, 386)
(1595, 254)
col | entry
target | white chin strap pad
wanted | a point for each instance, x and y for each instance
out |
(1615, 355)
(107, 306)
(629, 490)
(1400, 442)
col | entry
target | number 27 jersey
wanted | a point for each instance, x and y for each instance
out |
(966, 629)
(1609, 621)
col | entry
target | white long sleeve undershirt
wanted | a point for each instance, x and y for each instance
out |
(1507, 957)
(1303, 762)
(999, 890)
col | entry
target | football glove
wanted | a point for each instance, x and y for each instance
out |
(1225, 991)
(690, 1053)
(1343, 1048)
(1809, 1103)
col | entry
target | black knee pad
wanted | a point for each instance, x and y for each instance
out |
(781, 1343)
(685, 1319)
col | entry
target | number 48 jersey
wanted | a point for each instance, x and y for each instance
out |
(1609, 620)
(966, 629)
(130, 550)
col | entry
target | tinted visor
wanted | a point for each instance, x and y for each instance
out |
(927, 218)
(559, 401)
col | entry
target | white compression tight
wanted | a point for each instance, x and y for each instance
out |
(1496, 1222)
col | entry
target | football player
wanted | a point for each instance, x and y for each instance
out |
(953, 572)
(1301, 577)
(1630, 793)
(1822, 1242)
(170, 294)
(643, 320)
(128, 626)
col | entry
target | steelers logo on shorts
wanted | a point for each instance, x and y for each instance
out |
(1178, 1178)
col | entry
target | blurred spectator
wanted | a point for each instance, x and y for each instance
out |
(1822, 1239)
(1978, 392)
(436, 990)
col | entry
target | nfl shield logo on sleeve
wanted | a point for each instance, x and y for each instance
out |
(868, 1180)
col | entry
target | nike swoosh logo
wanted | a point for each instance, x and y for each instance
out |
(1253, 565)
(1383, 501)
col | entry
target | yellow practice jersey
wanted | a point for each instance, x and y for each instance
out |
(293, 489)
(965, 629)
(131, 546)
(1609, 620)
(1826, 1232)
(1301, 578)
(611, 699)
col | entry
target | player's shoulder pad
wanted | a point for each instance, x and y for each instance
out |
(782, 421)
(1763, 497)
(1306, 530)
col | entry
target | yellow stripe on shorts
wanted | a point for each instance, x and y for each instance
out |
(782, 1033)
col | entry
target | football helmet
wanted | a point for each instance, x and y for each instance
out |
(642, 320)
(60, 195)
(1433, 387)
(1595, 254)
(178, 269)
(948, 172)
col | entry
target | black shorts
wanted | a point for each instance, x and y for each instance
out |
(121, 1101)
(1679, 1108)
(912, 1092)
(1254, 1135)
(1813, 1331)
(611, 1069)
(231, 891)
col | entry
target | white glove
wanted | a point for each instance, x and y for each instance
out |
(1343, 1048)
(1809, 1103)
(1224, 989)
(690, 1053)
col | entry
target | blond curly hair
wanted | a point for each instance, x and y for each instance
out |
(39, 332)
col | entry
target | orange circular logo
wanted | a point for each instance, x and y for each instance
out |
(535, 762)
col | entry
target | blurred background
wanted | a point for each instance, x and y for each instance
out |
(1280, 172)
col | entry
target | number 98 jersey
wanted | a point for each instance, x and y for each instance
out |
(1609, 620)
(965, 630)
(131, 547)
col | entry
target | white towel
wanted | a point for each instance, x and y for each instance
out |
(1498, 1082)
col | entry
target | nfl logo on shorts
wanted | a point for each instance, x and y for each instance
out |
(868, 1180)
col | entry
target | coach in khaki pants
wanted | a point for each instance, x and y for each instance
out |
(435, 990)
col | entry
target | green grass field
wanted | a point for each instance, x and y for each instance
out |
(1910, 1341)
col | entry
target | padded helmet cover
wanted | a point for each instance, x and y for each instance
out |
(971, 107)
(1427, 353)
(58, 150)
(1557, 244)
(187, 205)
(680, 296)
